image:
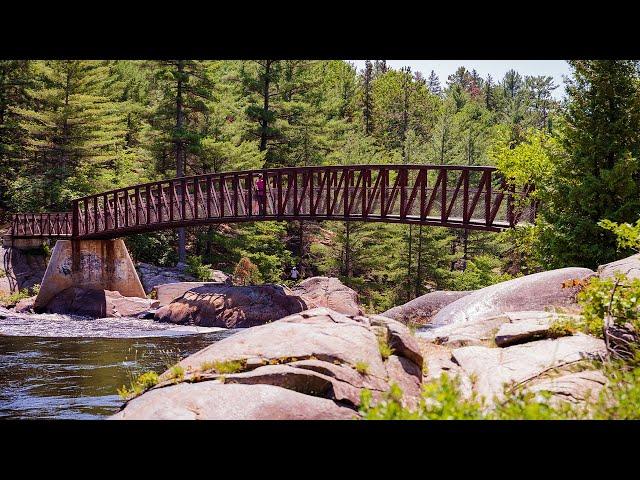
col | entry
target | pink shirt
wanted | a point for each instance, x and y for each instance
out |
(260, 186)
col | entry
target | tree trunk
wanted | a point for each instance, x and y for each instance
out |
(419, 266)
(180, 161)
(264, 121)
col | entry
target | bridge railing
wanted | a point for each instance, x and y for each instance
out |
(474, 197)
(35, 225)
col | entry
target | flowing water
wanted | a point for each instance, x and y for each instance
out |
(57, 366)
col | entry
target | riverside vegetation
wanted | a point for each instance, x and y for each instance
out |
(72, 127)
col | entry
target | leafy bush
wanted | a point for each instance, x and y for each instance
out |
(618, 297)
(197, 269)
(628, 236)
(562, 327)
(441, 400)
(481, 272)
(157, 248)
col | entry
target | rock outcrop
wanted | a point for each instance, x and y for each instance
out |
(493, 368)
(533, 292)
(216, 401)
(310, 365)
(151, 276)
(329, 292)
(20, 268)
(420, 310)
(513, 350)
(169, 292)
(98, 303)
(217, 305)
(630, 266)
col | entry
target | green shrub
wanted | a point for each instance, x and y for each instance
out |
(441, 400)
(618, 297)
(197, 269)
(482, 271)
(157, 248)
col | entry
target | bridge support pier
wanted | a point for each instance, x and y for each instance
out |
(89, 264)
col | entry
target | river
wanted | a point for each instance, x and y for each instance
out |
(62, 367)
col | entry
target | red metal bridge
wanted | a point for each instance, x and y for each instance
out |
(470, 197)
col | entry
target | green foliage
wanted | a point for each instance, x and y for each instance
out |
(562, 327)
(3, 274)
(139, 385)
(627, 235)
(598, 177)
(530, 161)
(362, 367)
(197, 269)
(618, 297)
(440, 400)
(482, 271)
(384, 348)
(620, 400)
(157, 248)
(229, 366)
(13, 298)
(176, 373)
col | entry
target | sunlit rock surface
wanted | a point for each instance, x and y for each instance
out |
(329, 292)
(325, 357)
(539, 291)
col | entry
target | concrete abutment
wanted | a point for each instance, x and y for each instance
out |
(92, 265)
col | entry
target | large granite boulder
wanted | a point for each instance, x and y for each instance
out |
(539, 291)
(493, 368)
(630, 266)
(420, 310)
(169, 292)
(228, 306)
(329, 292)
(21, 268)
(217, 401)
(98, 303)
(324, 357)
(151, 275)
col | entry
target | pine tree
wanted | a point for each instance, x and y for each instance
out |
(367, 97)
(74, 131)
(183, 88)
(600, 176)
(15, 77)
(434, 84)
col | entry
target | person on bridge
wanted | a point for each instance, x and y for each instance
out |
(261, 196)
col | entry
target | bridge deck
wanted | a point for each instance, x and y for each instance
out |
(450, 196)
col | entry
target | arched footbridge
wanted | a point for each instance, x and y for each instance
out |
(469, 197)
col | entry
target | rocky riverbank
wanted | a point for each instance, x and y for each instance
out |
(497, 341)
(310, 351)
